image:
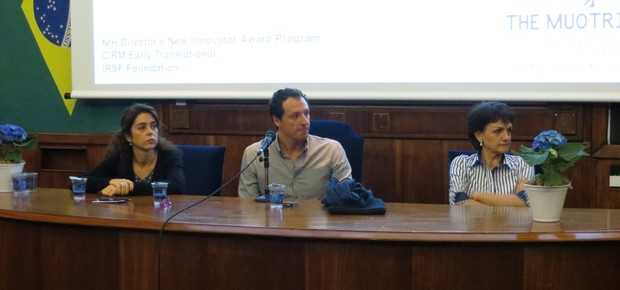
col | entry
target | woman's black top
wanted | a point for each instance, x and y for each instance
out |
(169, 168)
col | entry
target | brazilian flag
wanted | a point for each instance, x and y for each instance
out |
(50, 24)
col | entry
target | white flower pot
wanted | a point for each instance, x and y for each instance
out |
(6, 175)
(546, 202)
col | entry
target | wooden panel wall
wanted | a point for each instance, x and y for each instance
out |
(405, 153)
(62, 155)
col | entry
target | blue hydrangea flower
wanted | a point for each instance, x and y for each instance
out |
(12, 133)
(548, 139)
(13, 140)
(554, 155)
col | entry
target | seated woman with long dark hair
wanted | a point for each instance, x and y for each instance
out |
(136, 156)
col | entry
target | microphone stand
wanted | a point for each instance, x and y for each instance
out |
(265, 196)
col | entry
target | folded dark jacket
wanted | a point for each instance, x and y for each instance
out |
(350, 197)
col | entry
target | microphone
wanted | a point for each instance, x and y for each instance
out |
(269, 137)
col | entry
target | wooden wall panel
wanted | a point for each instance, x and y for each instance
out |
(420, 121)
(605, 196)
(405, 146)
(220, 119)
(59, 156)
(405, 153)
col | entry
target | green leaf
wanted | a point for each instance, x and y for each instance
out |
(14, 156)
(572, 150)
(534, 158)
(28, 144)
(553, 178)
(523, 150)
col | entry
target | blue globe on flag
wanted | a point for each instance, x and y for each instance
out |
(52, 17)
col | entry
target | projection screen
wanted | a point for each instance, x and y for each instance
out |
(522, 50)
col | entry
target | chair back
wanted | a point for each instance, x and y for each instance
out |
(203, 166)
(352, 143)
(454, 153)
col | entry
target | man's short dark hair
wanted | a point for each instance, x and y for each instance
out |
(485, 113)
(279, 97)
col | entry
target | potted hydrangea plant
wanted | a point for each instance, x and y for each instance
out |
(13, 140)
(554, 155)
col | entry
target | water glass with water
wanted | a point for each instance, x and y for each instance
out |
(276, 194)
(160, 193)
(78, 187)
(24, 183)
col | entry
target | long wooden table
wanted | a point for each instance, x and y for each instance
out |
(47, 241)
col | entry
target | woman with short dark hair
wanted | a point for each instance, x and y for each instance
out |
(491, 176)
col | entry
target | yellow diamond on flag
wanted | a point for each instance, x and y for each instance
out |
(50, 24)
